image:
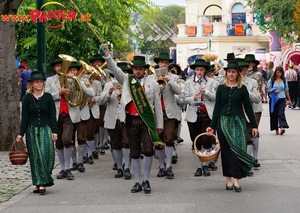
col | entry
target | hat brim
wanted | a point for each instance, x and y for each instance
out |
(145, 66)
(52, 64)
(44, 79)
(255, 61)
(92, 60)
(156, 60)
(193, 66)
(238, 69)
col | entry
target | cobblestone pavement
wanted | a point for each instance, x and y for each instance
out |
(13, 178)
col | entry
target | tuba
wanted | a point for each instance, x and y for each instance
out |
(76, 95)
(84, 70)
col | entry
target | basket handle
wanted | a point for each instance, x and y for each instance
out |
(13, 145)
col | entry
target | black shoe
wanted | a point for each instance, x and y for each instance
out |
(229, 187)
(136, 188)
(161, 173)
(69, 175)
(206, 171)
(198, 172)
(81, 167)
(250, 173)
(174, 159)
(237, 188)
(95, 155)
(74, 167)
(212, 166)
(127, 174)
(115, 167)
(119, 173)
(84, 159)
(102, 151)
(91, 160)
(169, 173)
(61, 175)
(179, 140)
(147, 188)
(256, 164)
(106, 146)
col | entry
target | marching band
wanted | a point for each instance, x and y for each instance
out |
(138, 111)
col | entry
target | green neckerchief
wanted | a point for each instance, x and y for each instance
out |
(143, 108)
(235, 132)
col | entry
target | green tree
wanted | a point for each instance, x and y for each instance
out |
(276, 16)
(110, 21)
(166, 19)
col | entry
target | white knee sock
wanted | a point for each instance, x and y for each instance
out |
(61, 158)
(168, 151)
(147, 167)
(67, 154)
(118, 157)
(126, 156)
(198, 162)
(255, 147)
(74, 154)
(161, 158)
(81, 152)
(90, 147)
(136, 165)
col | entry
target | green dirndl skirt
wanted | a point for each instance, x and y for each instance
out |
(41, 155)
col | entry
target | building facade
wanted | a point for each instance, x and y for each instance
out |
(217, 27)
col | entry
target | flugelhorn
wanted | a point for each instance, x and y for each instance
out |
(101, 68)
(76, 95)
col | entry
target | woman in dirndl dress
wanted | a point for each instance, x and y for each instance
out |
(232, 99)
(39, 124)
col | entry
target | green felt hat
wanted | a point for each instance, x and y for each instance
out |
(200, 63)
(243, 64)
(233, 65)
(177, 67)
(251, 58)
(163, 56)
(124, 67)
(56, 61)
(212, 69)
(97, 56)
(37, 75)
(139, 61)
(75, 64)
(230, 57)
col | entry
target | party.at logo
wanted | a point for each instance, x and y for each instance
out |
(42, 16)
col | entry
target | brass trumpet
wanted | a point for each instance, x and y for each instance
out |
(150, 71)
(161, 82)
(76, 95)
(101, 68)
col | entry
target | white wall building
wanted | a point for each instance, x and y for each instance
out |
(217, 27)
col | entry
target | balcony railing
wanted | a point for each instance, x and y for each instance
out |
(217, 29)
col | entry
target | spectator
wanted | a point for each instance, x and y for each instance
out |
(24, 76)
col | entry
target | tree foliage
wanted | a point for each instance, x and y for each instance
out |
(110, 21)
(166, 19)
(276, 15)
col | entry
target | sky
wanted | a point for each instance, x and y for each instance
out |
(168, 2)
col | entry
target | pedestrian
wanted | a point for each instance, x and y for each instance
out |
(24, 76)
(232, 100)
(39, 123)
(278, 89)
(144, 117)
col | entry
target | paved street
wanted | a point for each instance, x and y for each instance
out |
(274, 187)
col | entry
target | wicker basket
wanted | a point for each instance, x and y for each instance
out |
(18, 157)
(211, 157)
